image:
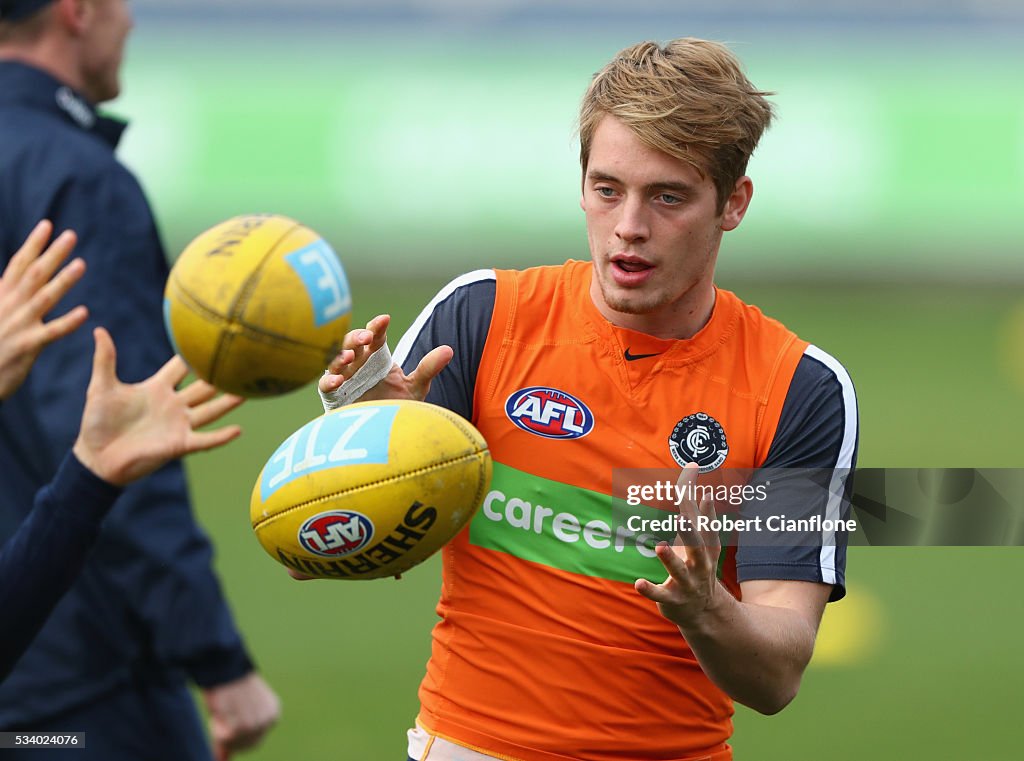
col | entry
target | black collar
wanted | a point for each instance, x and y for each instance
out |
(22, 84)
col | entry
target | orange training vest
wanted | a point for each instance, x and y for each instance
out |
(545, 651)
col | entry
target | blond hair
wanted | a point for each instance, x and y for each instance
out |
(689, 99)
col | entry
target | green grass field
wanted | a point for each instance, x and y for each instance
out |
(922, 656)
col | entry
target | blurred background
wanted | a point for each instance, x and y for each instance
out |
(424, 138)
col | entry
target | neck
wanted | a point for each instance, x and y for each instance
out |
(679, 320)
(50, 57)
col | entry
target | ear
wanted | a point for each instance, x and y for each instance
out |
(736, 204)
(74, 15)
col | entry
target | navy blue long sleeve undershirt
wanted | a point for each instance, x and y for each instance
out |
(43, 557)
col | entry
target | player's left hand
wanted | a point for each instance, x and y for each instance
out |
(691, 561)
(241, 713)
(28, 290)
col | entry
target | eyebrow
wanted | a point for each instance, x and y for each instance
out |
(660, 185)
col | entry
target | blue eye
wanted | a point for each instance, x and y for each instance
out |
(605, 192)
(668, 198)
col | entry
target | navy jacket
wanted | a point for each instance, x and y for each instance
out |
(147, 604)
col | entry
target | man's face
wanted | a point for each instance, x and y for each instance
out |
(654, 232)
(109, 23)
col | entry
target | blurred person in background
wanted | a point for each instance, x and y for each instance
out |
(147, 613)
(127, 431)
(549, 645)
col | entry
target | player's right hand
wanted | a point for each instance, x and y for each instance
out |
(357, 347)
(131, 429)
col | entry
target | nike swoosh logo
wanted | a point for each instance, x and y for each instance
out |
(634, 357)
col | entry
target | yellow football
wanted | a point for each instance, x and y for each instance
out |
(257, 305)
(370, 490)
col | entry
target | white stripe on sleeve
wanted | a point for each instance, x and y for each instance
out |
(405, 345)
(844, 463)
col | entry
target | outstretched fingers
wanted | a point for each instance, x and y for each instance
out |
(42, 269)
(197, 392)
(355, 343)
(212, 410)
(709, 537)
(359, 344)
(675, 562)
(668, 590)
(172, 373)
(48, 332)
(203, 404)
(28, 252)
(688, 535)
(655, 592)
(379, 327)
(200, 441)
(46, 298)
(356, 349)
(333, 378)
(104, 360)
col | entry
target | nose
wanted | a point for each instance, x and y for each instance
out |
(632, 225)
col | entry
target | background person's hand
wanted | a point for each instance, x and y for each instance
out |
(131, 429)
(27, 293)
(357, 347)
(241, 713)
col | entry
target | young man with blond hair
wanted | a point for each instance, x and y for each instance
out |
(555, 641)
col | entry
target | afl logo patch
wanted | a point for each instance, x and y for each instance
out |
(336, 534)
(549, 412)
(699, 438)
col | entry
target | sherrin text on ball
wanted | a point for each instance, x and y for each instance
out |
(370, 490)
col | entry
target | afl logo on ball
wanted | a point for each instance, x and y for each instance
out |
(699, 438)
(336, 534)
(549, 412)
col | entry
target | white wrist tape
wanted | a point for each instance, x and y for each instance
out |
(373, 371)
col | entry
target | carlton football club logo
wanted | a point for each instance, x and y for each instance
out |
(699, 438)
(550, 413)
(336, 534)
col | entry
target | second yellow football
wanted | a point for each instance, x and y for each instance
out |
(257, 305)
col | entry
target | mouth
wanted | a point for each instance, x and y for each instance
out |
(630, 271)
(630, 263)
